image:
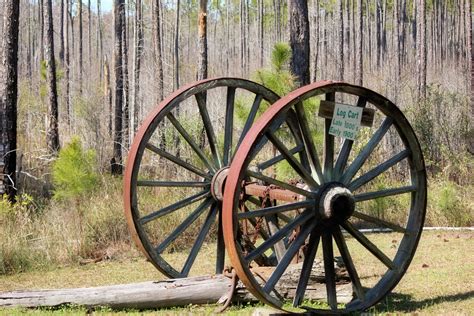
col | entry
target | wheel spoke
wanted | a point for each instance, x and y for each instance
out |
(278, 183)
(293, 124)
(291, 160)
(177, 161)
(185, 224)
(328, 144)
(270, 162)
(369, 245)
(308, 141)
(366, 151)
(288, 256)
(175, 206)
(250, 117)
(285, 230)
(276, 209)
(379, 221)
(329, 272)
(190, 141)
(211, 136)
(200, 240)
(153, 183)
(229, 124)
(378, 170)
(307, 268)
(382, 193)
(220, 256)
(343, 155)
(346, 257)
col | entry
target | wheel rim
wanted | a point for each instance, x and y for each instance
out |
(352, 172)
(155, 172)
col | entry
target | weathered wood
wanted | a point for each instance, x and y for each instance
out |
(326, 110)
(177, 292)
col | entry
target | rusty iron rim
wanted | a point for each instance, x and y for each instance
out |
(253, 142)
(144, 133)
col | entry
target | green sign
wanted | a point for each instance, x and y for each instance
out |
(345, 121)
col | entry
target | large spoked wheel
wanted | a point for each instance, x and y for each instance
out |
(346, 191)
(176, 170)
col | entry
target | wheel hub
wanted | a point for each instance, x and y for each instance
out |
(218, 183)
(336, 203)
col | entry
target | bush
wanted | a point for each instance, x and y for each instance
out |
(74, 172)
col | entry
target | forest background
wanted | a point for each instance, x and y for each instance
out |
(417, 53)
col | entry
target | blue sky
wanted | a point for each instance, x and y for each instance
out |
(105, 5)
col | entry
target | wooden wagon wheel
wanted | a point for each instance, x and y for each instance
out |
(347, 189)
(177, 165)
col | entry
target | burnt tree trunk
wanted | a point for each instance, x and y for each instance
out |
(80, 47)
(340, 41)
(8, 98)
(299, 40)
(360, 46)
(61, 32)
(116, 161)
(202, 33)
(421, 50)
(126, 86)
(137, 58)
(157, 42)
(52, 135)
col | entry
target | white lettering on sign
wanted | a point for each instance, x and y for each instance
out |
(345, 121)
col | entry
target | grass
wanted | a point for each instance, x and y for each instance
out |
(439, 281)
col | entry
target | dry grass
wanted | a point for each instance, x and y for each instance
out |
(439, 280)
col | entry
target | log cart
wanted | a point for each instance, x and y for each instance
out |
(227, 163)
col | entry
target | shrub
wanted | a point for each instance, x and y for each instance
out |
(74, 171)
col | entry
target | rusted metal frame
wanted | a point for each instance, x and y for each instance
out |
(366, 151)
(271, 210)
(180, 184)
(273, 193)
(211, 136)
(278, 183)
(184, 225)
(191, 142)
(345, 151)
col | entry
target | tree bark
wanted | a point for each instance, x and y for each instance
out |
(52, 135)
(316, 22)
(340, 41)
(202, 42)
(360, 47)
(421, 50)
(158, 55)
(8, 98)
(126, 86)
(176, 48)
(137, 57)
(299, 40)
(80, 47)
(67, 66)
(116, 161)
(260, 32)
(61, 32)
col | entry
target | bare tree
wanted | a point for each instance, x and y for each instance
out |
(137, 57)
(299, 40)
(202, 33)
(80, 47)
(157, 42)
(360, 47)
(8, 98)
(52, 134)
(116, 161)
(67, 66)
(61, 32)
(126, 87)
(421, 50)
(176, 48)
(340, 41)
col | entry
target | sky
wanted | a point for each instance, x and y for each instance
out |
(105, 5)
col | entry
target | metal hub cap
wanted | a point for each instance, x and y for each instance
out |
(218, 182)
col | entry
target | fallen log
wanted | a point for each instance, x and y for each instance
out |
(177, 292)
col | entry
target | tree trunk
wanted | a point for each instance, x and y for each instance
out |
(108, 95)
(100, 47)
(8, 98)
(421, 52)
(116, 161)
(260, 32)
(89, 28)
(158, 55)
(340, 41)
(41, 21)
(67, 66)
(80, 47)
(61, 32)
(360, 47)
(137, 57)
(126, 86)
(299, 40)
(202, 43)
(52, 135)
(176, 48)
(316, 23)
